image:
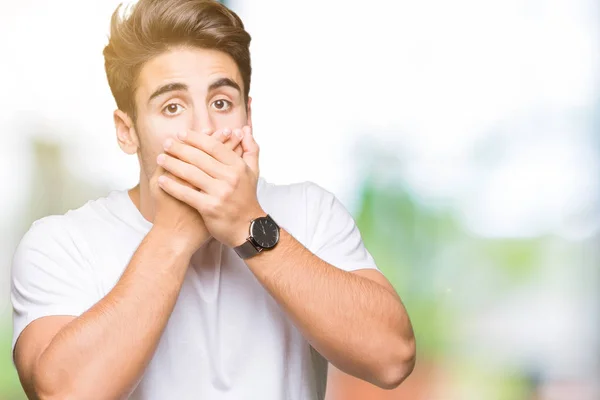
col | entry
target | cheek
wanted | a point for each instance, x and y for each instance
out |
(158, 129)
(235, 119)
(152, 137)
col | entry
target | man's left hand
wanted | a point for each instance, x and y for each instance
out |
(225, 193)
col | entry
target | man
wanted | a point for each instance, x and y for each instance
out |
(204, 281)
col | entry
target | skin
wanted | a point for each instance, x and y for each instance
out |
(198, 182)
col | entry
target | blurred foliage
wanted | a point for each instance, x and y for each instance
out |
(10, 387)
(516, 258)
(403, 237)
(54, 188)
(428, 255)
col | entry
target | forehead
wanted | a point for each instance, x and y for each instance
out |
(193, 66)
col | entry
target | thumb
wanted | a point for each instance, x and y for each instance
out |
(251, 150)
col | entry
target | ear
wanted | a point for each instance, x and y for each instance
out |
(249, 112)
(126, 134)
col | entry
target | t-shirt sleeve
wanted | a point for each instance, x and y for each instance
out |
(48, 275)
(332, 232)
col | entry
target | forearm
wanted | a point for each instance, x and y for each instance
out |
(104, 352)
(357, 324)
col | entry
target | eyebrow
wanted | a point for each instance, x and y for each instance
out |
(169, 87)
(178, 86)
(224, 82)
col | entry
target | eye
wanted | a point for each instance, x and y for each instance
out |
(172, 109)
(221, 105)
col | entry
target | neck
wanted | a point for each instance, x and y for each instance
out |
(141, 198)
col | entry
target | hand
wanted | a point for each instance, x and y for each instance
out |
(226, 198)
(231, 141)
(183, 223)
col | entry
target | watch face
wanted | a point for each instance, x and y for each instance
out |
(264, 232)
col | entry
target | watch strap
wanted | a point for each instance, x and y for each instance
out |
(268, 216)
(247, 249)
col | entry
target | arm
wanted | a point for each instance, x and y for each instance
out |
(105, 350)
(355, 320)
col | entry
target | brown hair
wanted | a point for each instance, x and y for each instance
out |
(155, 26)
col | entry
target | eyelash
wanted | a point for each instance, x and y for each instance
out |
(167, 106)
(229, 105)
(164, 110)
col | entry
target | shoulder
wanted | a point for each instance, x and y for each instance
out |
(47, 249)
(287, 204)
(305, 193)
(46, 232)
(61, 233)
(298, 207)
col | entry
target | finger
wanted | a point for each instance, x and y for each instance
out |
(195, 157)
(230, 140)
(222, 135)
(186, 172)
(238, 150)
(182, 192)
(210, 146)
(177, 179)
(157, 172)
(233, 142)
(234, 139)
(251, 150)
(160, 171)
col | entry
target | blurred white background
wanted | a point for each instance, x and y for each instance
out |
(489, 109)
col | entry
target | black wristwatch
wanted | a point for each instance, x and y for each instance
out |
(264, 235)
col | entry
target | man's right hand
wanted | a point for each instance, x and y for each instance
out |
(182, 224)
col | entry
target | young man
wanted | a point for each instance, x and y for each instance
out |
(204, 281)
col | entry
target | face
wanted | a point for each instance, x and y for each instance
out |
(183, 89)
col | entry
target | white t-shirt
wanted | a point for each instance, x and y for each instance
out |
(227, 338)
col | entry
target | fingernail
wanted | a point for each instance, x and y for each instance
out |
(247, 130)
(226, 132)
(168, 143)
(238, 133)
(182, 135)
(160, 159)
(162, 180)
(207, 132)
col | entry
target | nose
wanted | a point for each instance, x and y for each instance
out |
(202, 120)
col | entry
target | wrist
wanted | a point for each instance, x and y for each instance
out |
(241, 234)
(181, 244)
